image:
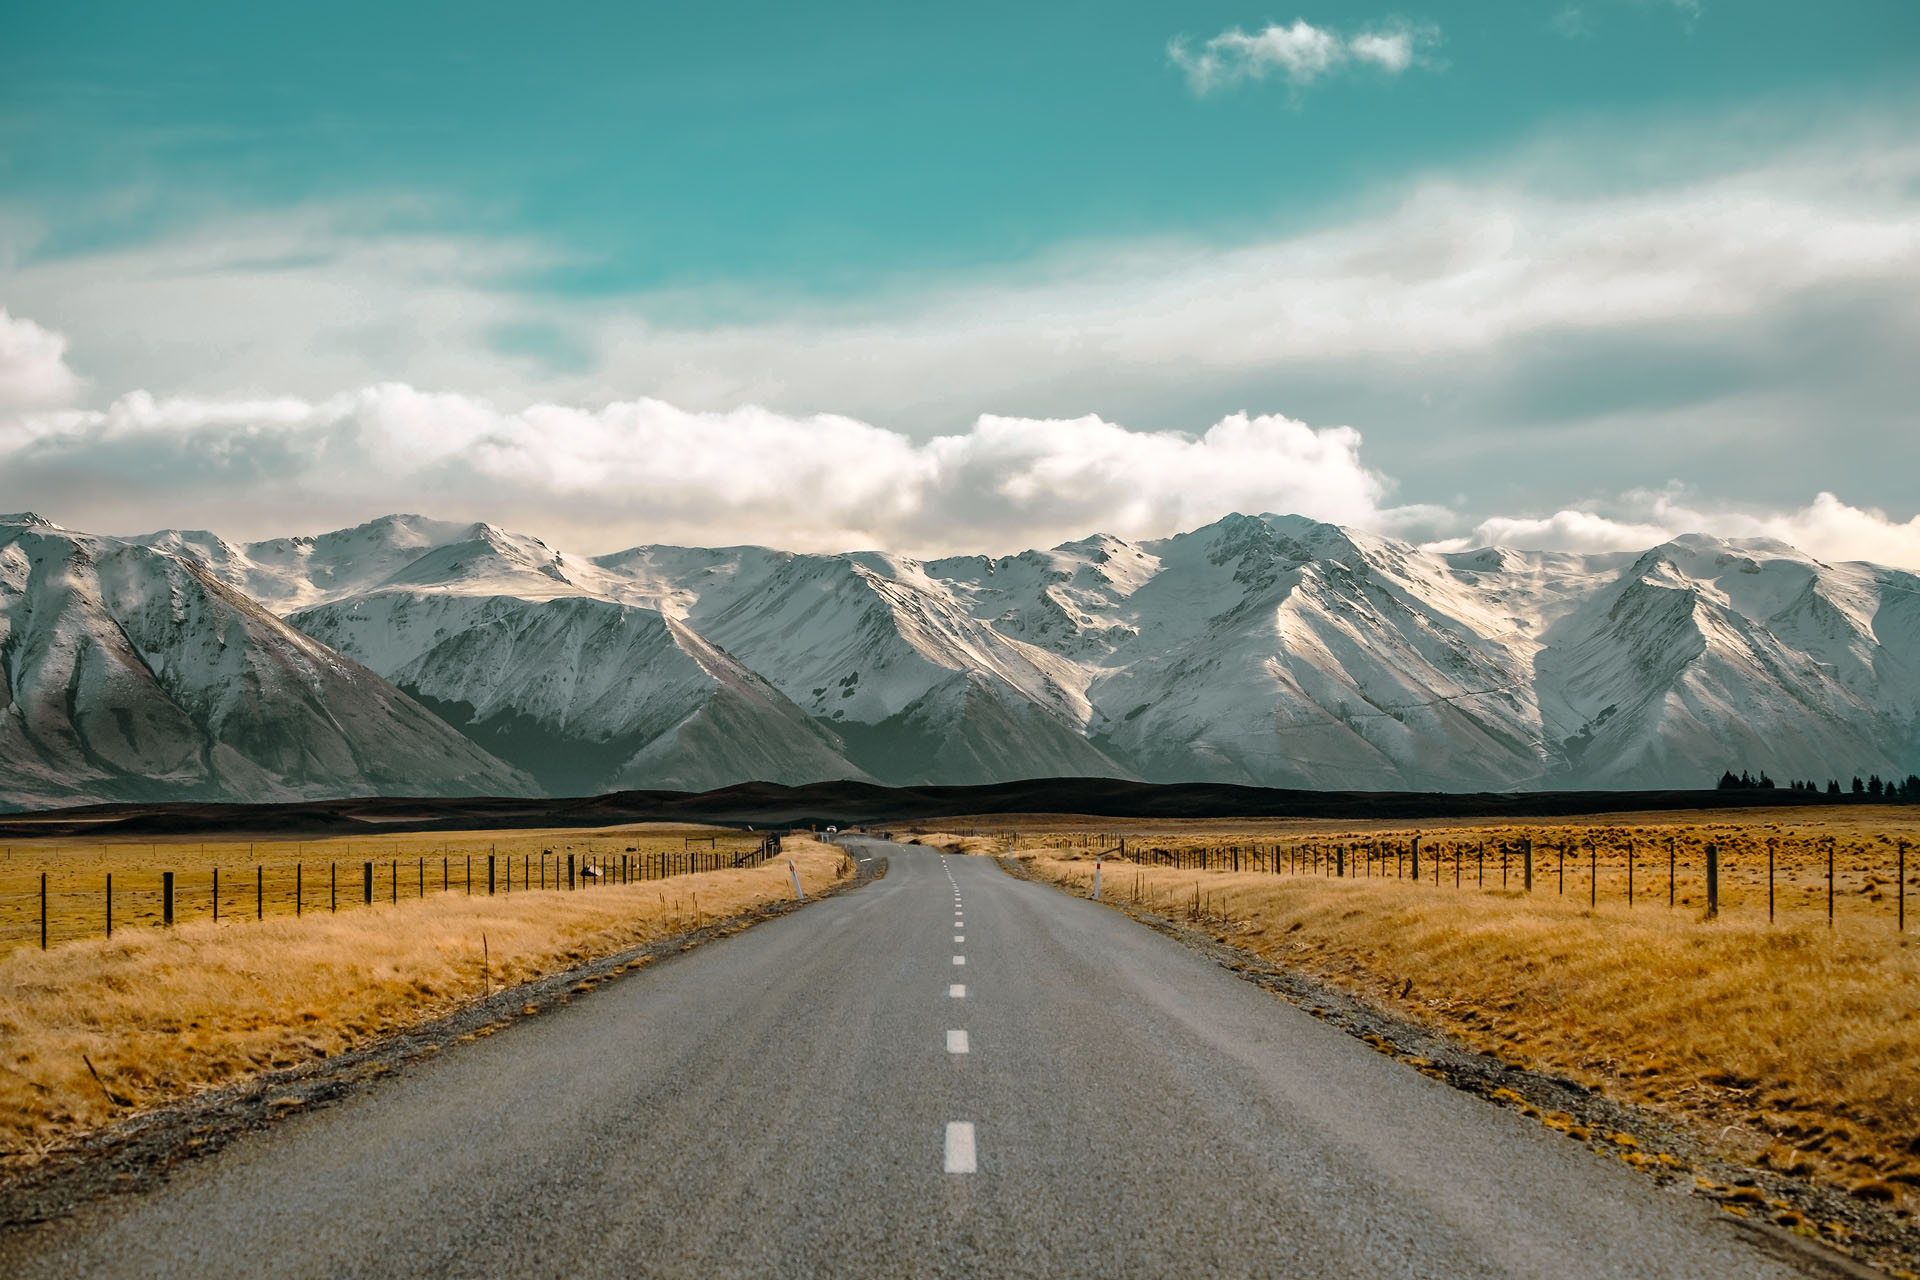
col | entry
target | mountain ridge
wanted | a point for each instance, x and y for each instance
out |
(1259, 650)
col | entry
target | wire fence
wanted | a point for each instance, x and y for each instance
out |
(1854, 877)
(48, 896)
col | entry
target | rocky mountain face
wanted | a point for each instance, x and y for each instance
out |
(130, 674)
(1271, 650)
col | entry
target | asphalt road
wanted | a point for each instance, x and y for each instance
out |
(836, 1093)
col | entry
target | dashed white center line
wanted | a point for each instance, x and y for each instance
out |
(960, 1153)
(956, 1042)
(959, 937)
(958, 991)
(959, 959)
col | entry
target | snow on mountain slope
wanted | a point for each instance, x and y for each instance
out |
(1268, 649)
(127, 673)
(585, 694)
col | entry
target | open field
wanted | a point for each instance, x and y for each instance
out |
(1868, 857)
(163, 1013)
(268, 878)
(1789, 1044)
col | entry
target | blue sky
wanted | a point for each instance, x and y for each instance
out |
(1390, 219)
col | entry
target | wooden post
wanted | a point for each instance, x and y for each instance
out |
(1713, 881)
(469, 875)
(1480, 862)
(109, 904)
(299, 890)
(43, 906)
(216, 891)
(259, 892)
(1829, 882)
(569, 871)
(1563, 865)
(1670, 870)
(489, 875)
(1770, 850)
(1902, 895)
(1526, 853)
(166, 901)
(420, 874)
(393, 881)
(1593, 872)
(333, 886)
(366, 882)
(1629, 873)
(446, 881)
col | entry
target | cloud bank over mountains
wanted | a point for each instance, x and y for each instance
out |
(637, 470)
(1722, 348)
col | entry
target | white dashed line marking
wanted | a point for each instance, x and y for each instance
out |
(960, 1154)
(958, 991)
(956, 1042)
(959, 937)
(959, 959)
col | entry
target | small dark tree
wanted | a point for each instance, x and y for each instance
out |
(1728, 782)
(1859, 787)
(1765, 783)
(1833, 786)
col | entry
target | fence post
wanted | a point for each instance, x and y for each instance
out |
(259, 892)
(569, 871)
(1096, 881)
(469, 875)
(489, 875)
(1770, 849)
(1563, 865)
(299, 890)
(1526, 853)
(109, 904)
(1593, 873)
(1670, 870)
(216, 893)
(166, 902)
(1902, 896)
(366, 882)
(43, 907)
(393, 881)
(1713, 881)
(1829, 882)
(333, 886)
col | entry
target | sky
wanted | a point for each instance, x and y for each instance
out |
(1559, 274)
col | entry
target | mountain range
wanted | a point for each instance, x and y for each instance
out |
(416, 656)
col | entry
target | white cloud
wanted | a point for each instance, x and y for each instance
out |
(645, 470)
(33, 365)
(1826, 528)
(1302, 53)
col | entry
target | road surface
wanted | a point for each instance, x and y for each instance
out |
(948, 1072)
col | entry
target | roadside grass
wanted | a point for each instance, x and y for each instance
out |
(161, 1014)
(1790, 1046)
(261, 875)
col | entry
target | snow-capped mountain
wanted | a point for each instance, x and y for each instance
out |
(1271, 650)
(127, 673)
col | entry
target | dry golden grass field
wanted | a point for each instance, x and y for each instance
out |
(1790, 1044)
(161, 1014)
(287, 877)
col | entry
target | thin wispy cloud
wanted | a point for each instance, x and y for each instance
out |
(1300, 53)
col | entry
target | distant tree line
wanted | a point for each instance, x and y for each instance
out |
(1869, 789)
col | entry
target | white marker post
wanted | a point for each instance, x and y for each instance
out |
(1096, 881)
(798, 892)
